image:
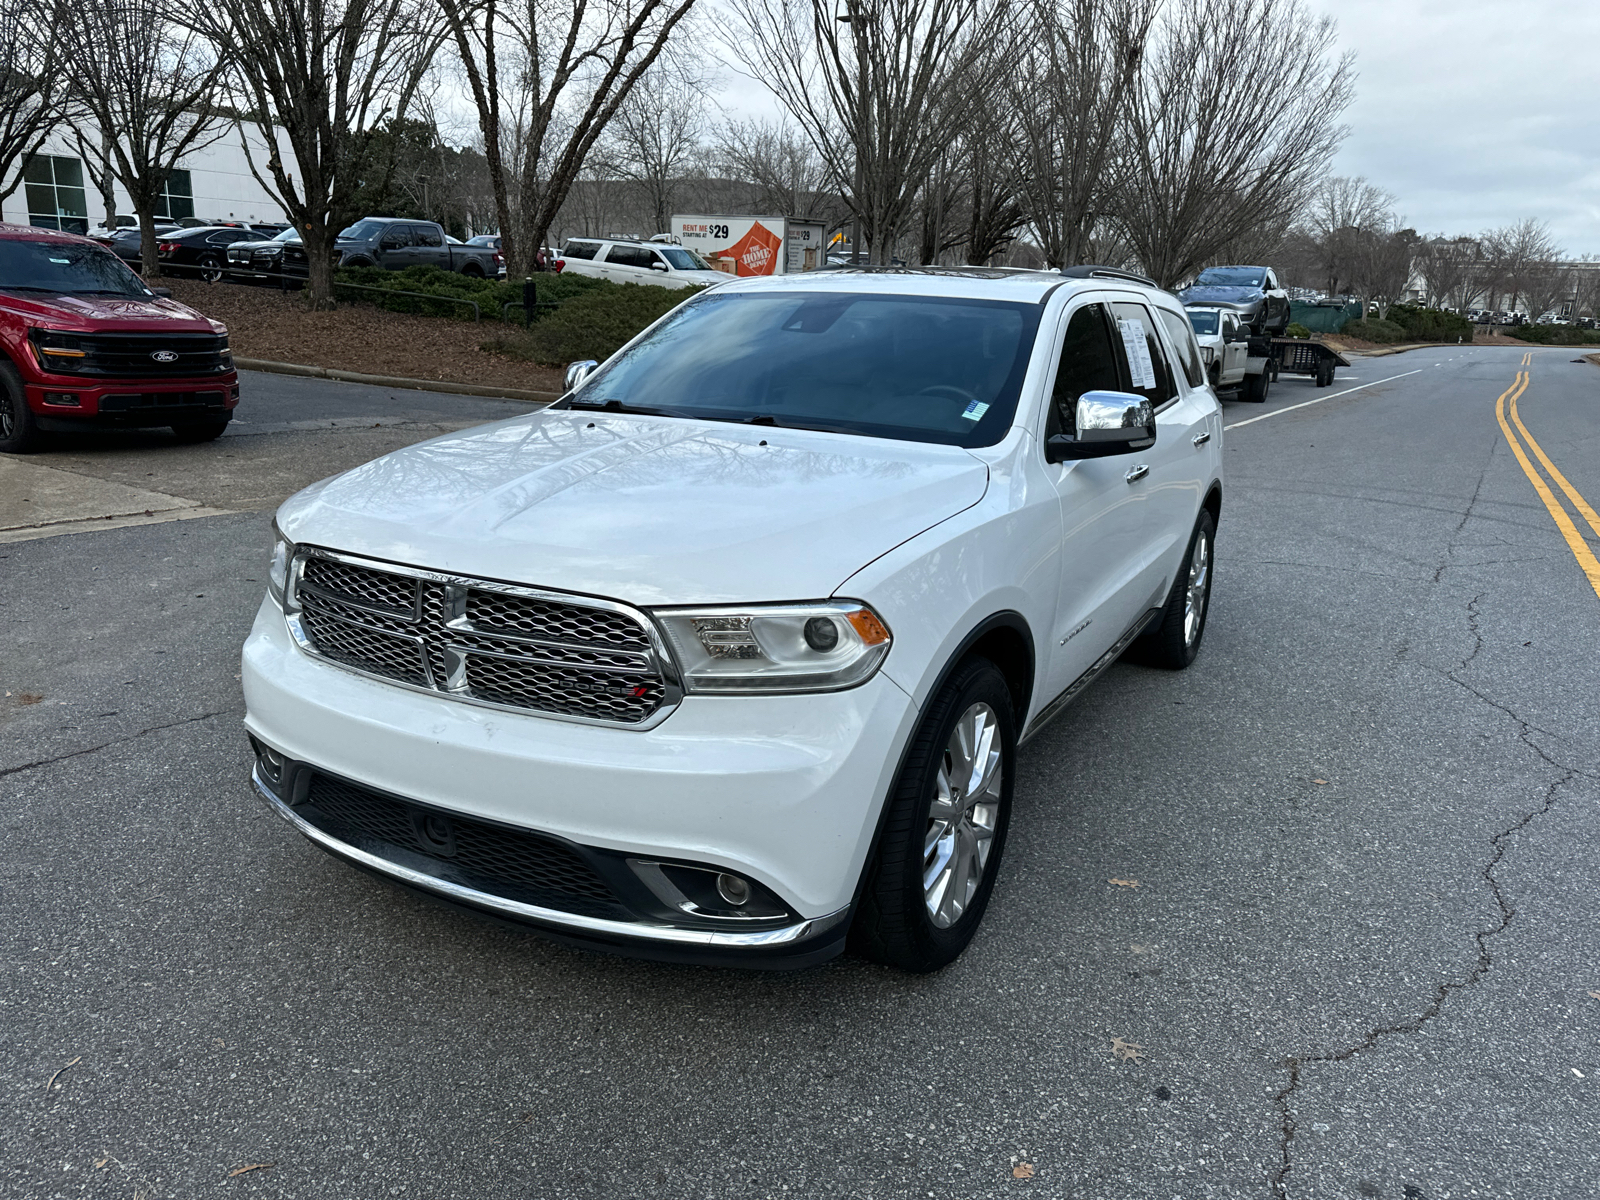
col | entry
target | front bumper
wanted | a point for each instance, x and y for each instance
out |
(782, 790)
(94, 402)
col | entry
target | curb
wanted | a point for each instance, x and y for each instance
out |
(393, 381)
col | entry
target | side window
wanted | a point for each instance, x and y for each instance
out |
(630, 256)
(1182, 335)
(395, 237)
(579, 249)
(1147, 363)
(1088, 364)
(425, 235)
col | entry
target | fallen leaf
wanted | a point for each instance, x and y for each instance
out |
(1319, 781)
(1127, 883)
(1022, 1171)
(1596, 995)
(1126, 1051)
(1577, 1072)
(101, 1162)
(57, 1075)
(247, 1167)
(28, 697)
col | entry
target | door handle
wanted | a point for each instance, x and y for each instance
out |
(1200, 439)
(1137, 473)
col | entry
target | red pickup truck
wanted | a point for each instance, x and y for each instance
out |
(84, 344)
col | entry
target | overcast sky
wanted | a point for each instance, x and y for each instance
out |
(1474, 113)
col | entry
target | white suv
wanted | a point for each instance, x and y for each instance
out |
(627, 261)
(727, 654)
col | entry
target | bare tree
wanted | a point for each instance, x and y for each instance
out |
(151, 86)
(1445, 266)
(1381, 264)
(1069, 95)
(1234, 120)
(32, 83)
(1585, 289)
(1545, 285)
(880, 88)
(547, 81)
(782, 168)
(330, 74)
(1514, 255)
(657, 133)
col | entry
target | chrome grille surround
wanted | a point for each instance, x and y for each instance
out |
(479, 641)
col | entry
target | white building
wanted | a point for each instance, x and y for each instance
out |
(213, 183)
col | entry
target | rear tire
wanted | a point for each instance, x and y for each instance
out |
(191, 432)
(210, 268)
(1256, 386)
(1173, 644)
(19, 432)
(948, 813)
(472, 271)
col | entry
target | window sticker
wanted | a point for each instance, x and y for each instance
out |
(975, 410)
(1139, 364)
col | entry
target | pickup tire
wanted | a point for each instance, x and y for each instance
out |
(1256, 386)
(358, 261)
(19, 432)
(936, 824)
(191, 432)
(472, 271)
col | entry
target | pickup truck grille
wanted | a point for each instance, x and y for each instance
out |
(477, 640)
(145, 355)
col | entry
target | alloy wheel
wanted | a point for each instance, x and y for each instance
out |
(1194, 601)
(962, 815)
(8, 414)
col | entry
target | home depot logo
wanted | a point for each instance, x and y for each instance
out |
(757, 251)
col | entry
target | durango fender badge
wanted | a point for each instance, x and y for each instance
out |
(164, 356)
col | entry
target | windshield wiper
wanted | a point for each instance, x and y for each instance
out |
(617, 406)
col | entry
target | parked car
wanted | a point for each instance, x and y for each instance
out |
(201, 252)
(264, 260)
(395, 244)
(87, 345)
(726, 655)
(1252, 292)
(126, 242)
(634, 261)
(489, 240)
(1225, 350)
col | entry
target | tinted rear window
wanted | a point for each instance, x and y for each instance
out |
(920, 368)
(580, 249)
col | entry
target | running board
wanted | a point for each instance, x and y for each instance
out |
(1053, 710)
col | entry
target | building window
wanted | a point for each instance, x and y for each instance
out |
(55, 193)
(177, 197)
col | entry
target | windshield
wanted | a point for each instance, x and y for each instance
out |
(364, 231)
(1231, 277)
(66, 267)
(681, 259)
(290, 234)
(1202, 322)
(921, 368)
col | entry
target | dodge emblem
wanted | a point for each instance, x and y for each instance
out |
(164, 356)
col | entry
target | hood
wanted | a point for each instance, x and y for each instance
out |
(647, 510)
(1210, 294)
(103, 312)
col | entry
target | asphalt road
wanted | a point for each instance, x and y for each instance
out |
(1361, 958)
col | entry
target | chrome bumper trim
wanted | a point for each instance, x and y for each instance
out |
(573, 923)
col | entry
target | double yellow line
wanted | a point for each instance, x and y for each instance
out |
(1569, 529)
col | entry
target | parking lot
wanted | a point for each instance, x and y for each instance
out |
(1335, 884)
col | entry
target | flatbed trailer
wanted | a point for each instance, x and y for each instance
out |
(1298, 356)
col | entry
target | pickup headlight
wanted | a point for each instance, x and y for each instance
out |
(61, 353)
(278, 568)
(823, 646)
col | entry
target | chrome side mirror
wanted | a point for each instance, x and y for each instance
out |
(577, 372)
(1107, 423)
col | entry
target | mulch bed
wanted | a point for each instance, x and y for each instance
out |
(264, 322)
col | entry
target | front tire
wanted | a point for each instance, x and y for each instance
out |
(945, 831)
(1174, 643)
(210, 268)
(19, 432)
(192, 432)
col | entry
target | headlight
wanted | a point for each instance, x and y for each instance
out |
(62, 353)
(278, 569)
(817, 647)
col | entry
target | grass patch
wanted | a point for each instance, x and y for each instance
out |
(595, 324)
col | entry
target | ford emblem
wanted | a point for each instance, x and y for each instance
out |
(164, 356)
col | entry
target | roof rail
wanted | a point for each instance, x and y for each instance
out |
(1091, 271)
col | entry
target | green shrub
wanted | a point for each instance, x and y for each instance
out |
(1555, 335)
(1374, 330)
(595, 324)
(1429, 324)
(1297, 330)
(491, 295)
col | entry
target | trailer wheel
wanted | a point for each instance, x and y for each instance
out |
(1324, 373)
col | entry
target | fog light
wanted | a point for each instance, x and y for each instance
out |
(64, 399)
(271, 763)
(734, 890)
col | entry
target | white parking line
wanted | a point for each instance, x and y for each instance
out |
(1308, 403)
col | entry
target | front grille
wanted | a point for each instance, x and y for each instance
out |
(138, 401)
(514, 863)
(474, 640)
(130, 355)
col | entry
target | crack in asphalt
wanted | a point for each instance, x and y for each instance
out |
(132, 737)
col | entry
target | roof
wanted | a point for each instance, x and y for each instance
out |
(1015, 284)
(30, 233)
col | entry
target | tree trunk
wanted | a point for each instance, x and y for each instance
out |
(148, 258)
(318, 242)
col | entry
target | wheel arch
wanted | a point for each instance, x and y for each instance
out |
(1213, 502)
